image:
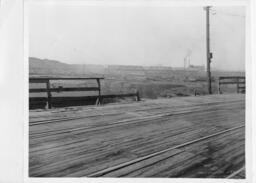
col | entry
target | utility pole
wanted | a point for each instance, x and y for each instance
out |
(208, 53)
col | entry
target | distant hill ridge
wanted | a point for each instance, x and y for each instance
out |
(47, 67)
(53, 67)
(56, 68)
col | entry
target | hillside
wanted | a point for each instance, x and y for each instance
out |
(48, 67)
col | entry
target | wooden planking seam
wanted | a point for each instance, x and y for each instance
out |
(160, 166)
(106, 108)
(205, 123)
(219, 98)
(116, 140)
(128, 142)
(47, 168)
(84, 127)
(180, 113)
(143, 163)
(189, 164)
(119, 123)
(102, 114)
(80, 139)
(160, 152)
(198, 154)
(80, 145)
(83, 140)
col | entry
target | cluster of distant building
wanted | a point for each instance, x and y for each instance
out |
(156, 68)
(195, 67)
(188, 66)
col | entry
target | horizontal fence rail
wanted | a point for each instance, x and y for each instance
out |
(60, 89)
(239, 81)
(46, 79)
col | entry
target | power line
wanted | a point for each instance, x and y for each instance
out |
(214, 12)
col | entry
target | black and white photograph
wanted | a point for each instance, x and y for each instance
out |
(137, 91)
(127, 91)
(141, 91)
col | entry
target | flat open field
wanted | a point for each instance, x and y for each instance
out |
(201, 136)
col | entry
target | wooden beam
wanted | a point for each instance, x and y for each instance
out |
(137, 95)
(237, 85)
(34, 99)
(219, 90)
(49, 95)
(231, 77)
(34, 79)
(55, 100)
(242, 87)
(99, 96)
(232, 82)
(71, 89)
(38, 80)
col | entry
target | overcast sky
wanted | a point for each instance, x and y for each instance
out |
(137, 35)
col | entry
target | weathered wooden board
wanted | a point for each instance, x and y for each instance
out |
(80, 141)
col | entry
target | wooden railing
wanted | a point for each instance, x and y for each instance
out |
(48, 88)
(239, 81)
(81, 100)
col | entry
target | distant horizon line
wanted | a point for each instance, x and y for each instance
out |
(213, 69)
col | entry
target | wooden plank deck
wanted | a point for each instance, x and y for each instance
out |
(81, 141)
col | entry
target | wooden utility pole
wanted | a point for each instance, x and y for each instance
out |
(208, 53)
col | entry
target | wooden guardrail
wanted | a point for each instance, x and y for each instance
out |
(70, 100)
(48, 88)
(239, 81)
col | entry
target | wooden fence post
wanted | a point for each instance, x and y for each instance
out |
(137, 95)
(195, 92)
(98, 101)
(49, 95)
(219, 92)
(237, 85)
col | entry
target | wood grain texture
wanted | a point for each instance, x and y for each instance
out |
(79, 141)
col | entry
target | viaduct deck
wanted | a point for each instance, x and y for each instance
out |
(202, 136)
